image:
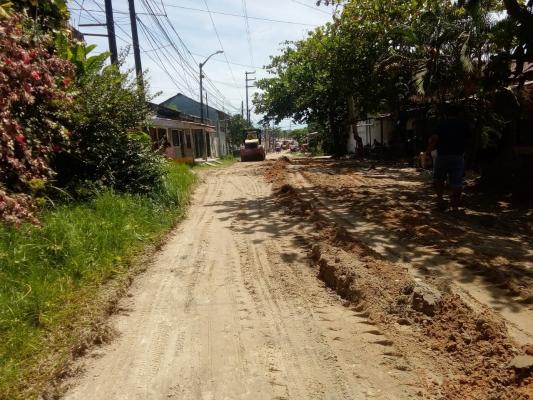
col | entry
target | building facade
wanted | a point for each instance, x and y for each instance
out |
(180, 136)
(215, 119)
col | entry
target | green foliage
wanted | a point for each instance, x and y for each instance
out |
(107, 149)
(51, 15)
(300, 135)
(237, 124)
(391, 56)
(34, 104)
(50, 275)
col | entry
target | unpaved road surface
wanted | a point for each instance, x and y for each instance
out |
(231, 309)
(487, 255)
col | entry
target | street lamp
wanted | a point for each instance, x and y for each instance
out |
(201, 84)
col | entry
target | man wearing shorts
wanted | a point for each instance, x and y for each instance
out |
(449, 140)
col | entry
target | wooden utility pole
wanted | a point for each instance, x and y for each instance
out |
(248, 86)
(111, 31)
(135, 39)
(206, 106)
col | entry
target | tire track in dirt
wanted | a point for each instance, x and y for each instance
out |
(231, 310)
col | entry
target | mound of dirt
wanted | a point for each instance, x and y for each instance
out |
(468, 349)
(276, 171)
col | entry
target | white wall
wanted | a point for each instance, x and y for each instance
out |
(369, 130)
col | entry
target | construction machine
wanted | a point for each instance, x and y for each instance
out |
(251, 148)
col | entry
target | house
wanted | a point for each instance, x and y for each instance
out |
(218, 119)
(378, 128)
(186, 137)
(404, 136)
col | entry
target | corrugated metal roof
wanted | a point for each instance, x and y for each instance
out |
(186, 105)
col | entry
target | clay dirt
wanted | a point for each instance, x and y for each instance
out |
(325, 279)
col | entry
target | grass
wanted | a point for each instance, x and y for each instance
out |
(51, 277)
(313, 153)
(225, 161)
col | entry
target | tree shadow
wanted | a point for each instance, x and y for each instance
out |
(261, 215)
(390, 209)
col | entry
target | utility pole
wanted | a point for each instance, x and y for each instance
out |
(135, 39)
(247, 86)
(242, 109)
(202, 84)
(206, 106)
(111, 31)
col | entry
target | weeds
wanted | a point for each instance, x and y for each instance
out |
(49, 275)
(225, 161)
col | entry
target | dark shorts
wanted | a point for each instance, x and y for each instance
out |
(450, 167)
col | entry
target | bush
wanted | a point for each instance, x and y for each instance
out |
(33, 104)
(107, 147)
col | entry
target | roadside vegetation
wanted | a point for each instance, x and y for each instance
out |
(413, 57)
(82, 192)
(52, 275)
(222, 162)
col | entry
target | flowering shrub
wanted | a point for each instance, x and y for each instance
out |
(33, 105)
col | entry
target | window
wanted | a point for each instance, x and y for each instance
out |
(176, 137)
(188, 140)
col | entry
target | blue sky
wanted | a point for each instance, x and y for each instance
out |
(196, 30)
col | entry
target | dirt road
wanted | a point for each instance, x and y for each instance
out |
(231, 309)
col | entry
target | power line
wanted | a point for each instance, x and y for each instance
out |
(240, 15)
(160, 64)
(187, 68)
(311, 7)
(220, 42)
(151, 39)
(248, 34)
(232, 63)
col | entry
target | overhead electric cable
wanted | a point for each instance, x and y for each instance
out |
(240, 15)
(220, 42)
(248, 34)
(311, 7)
(217, 97)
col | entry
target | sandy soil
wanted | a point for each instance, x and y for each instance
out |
(232, 309)
(486, 252)
(378, 245)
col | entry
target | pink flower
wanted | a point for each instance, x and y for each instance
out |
(35, 75)
(26, 58)
(20, 138)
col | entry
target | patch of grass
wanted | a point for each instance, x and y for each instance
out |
(225, 161)
(312, 153)
(50, 277)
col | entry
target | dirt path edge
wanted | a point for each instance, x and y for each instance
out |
(465, 354)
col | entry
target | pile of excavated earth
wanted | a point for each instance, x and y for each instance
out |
(461, 350)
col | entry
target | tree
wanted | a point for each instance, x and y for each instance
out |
(300, 135)
(108, 148)
(390, 56)
(34, 104)
(236, 127)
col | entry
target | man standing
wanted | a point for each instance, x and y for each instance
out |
(449, 140)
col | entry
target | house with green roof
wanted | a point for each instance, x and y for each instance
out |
(216, 142)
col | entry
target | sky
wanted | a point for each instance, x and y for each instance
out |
(247, 43)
